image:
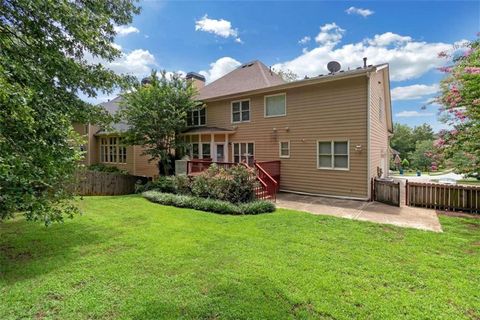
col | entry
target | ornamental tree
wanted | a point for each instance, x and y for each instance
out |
(46, 49)
(460, 106)
(156, 113)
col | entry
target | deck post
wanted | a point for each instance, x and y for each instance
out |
(212, 141)
(225, 148)
(200, 147)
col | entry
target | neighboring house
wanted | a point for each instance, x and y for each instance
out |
(106, 147)
(330, 132)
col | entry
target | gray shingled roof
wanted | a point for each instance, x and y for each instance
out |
(112, 107)
(249, 76)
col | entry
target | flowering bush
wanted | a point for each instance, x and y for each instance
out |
(460, 105)
(236, 184)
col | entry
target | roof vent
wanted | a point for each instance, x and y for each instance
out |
(247, 65)
(333, 66)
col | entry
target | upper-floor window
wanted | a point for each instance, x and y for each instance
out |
(332, 155)
(113, 150)
(197, 117)
(241, 111)
(276, 105)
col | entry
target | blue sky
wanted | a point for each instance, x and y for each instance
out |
(213, 37)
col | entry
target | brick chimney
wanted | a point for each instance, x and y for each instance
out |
(197, 79)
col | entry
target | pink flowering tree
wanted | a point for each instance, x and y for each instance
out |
(460, 108)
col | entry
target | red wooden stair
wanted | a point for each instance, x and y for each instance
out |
(267, 173)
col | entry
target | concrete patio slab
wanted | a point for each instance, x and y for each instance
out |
(410, 217)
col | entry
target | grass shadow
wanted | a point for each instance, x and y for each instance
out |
(29, 249)
(242, 298)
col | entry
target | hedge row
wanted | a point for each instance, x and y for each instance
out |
(209, 205)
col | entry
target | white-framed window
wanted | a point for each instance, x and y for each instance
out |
(195, 151)
(197, 117)
(206, 151)
(284, 149)
(275, 105)
(243, 152)
(333, 154)
(241, 111)
(113, 150)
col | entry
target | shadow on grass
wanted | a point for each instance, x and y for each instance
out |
(29, 249)
(252, 298)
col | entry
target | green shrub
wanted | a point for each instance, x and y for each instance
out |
(209, 205)
(256, 207)
(201, 186)
(182, 184)
(162, 184)
(100, 167)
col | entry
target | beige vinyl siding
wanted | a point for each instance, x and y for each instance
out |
(142, 166)
(93, 146)
(378, 127)
(137, 164)
(329, 111)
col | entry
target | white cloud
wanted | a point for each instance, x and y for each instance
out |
(408, 58)
(388, 38)
(330, 34)
(116, 46)
(139, 63)
(362, 12)
(125, 30)
(219, 68)
(413, 92)
(221, 27)
(304, 40)
(413, 114)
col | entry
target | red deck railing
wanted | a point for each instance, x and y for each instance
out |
(273, 169)
(199, 165)
(267, 174)
(269, 184)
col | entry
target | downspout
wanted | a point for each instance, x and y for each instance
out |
(369, 187)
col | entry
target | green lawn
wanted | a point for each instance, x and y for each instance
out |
(469, 181)
(130, 259)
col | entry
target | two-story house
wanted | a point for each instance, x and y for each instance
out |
(330, 132)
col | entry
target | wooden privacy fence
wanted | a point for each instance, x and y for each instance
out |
(94, 183)
(386, 191)
(443, 196)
